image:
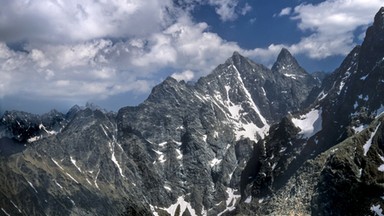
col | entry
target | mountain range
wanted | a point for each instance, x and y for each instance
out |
(243, 140)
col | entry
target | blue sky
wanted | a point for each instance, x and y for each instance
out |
(56, 53)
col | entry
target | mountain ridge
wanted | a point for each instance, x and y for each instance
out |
(235, 142)
(214, 123)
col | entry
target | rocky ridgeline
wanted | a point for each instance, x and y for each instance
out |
(302, 171)
(185, 145)
(243, 140)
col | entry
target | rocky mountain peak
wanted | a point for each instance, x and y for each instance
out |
(379, 18)
(286, 64)
(375, 33)
(373, 45)
(236, 59)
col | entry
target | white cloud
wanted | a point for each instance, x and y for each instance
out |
(72, 20)
(285, 11)
(185, 75)
(73, 51)
(100, 68)
(226, 9)
(332, 25)
(247, 8)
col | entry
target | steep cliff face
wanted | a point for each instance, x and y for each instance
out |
(183, 148)
(350, 99)
(243, 140)
(344, 180)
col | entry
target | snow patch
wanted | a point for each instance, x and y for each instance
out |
(74, 163)
(6, 213)
(343, 80)
(88, 181)
(283, 149)
(105, 132)
(227, 147)
(71, 177)
(153, 210)
(246, 130)
(97, 174)
(321, 96)
(274, 166)
(360, 96)
(355, 105)
(167, 188)
(248, 200)
(377, 210)
(205, 138)
(309, 123)
(204, 212)
(52, 132)
(177, 143)
(57, 164)
(364, 77)
(231, 174)
(264, 93)
(184, 205)
(231, 200)
(215, 134)
(16, 206)
(162, 144)
(215, 162)
(73, 202)
(113, 158)
(61, 187)
(359, 128)
(30, 184)
(379, 111)
(293, 76)
(34, 139)
(179, 155)
(368, 144)
(161, 157)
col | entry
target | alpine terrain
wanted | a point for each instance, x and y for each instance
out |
(244, 140)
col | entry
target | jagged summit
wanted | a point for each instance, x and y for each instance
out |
(285, 57)
(286, 64)
(236, 53)
(191, 149)
(344, 123)
(237, 59)
(379, 18)
(373, 45)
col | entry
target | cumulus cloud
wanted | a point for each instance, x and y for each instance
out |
(247, 8)
(227, 10)
(100, 68)
(79, 50)
(185, 75)
(65, 72)
(285, 11)
(72, 20)
(331, 25)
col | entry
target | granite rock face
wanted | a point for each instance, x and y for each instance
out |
(183, 148)
(243, 140)
(349, 101)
